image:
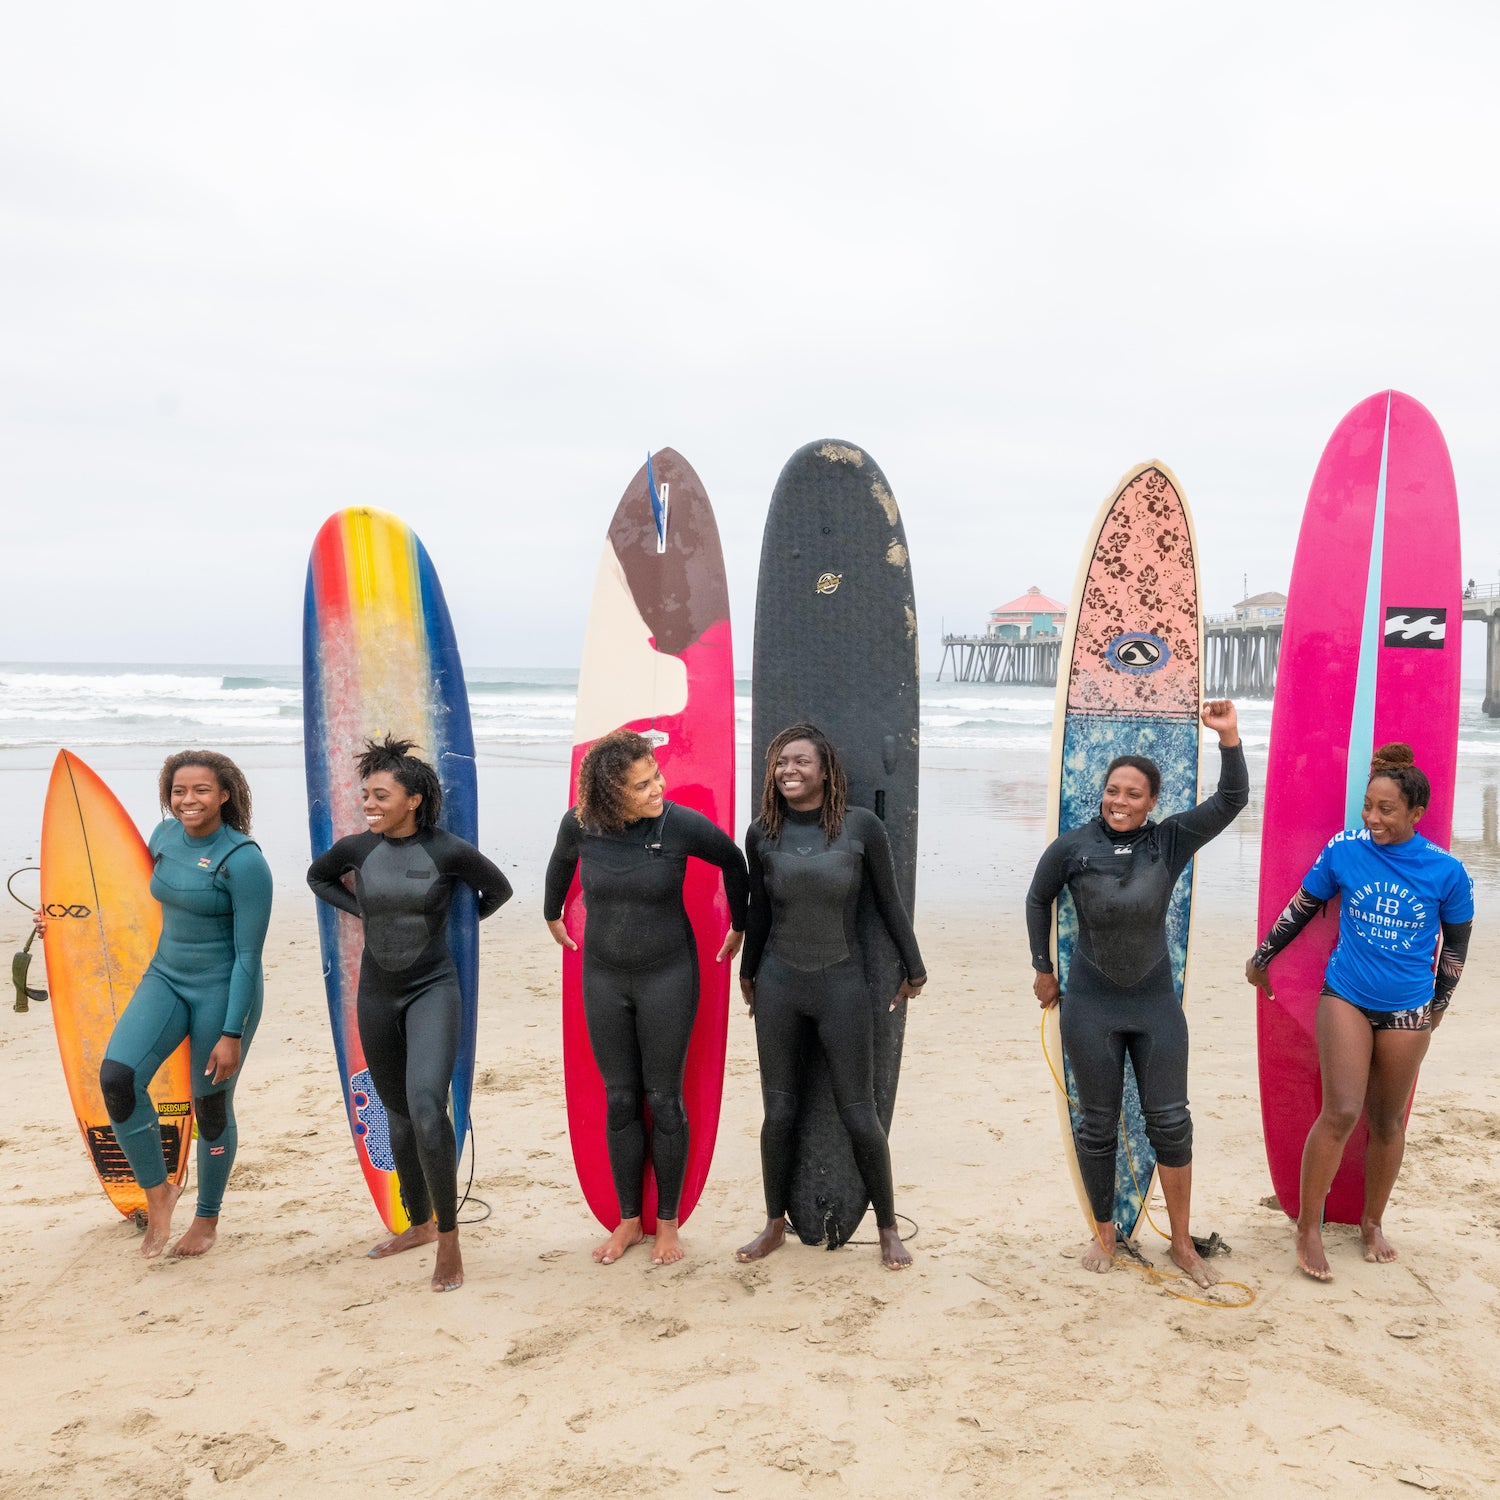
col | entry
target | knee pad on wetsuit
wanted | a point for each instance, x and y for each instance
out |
(1097, 1136)
(781, 1109)
(668, 1113)
(1170, 1132)
(861, 1121)
(212, 1113)
(117, 1083)
(624, 1107)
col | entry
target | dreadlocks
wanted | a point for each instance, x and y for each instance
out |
(835, 794)
(414, 776)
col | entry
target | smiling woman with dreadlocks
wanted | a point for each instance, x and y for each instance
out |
(404, 869)
(811, 855)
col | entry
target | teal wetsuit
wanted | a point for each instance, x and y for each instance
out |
(203, 983)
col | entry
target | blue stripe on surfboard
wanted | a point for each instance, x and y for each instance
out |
(1362, 720)
(453, 758)
(1090, 742)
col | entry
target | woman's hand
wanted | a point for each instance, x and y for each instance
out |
(39, 922)
(910, 989)
(733, 941)
(1260, 978)
(560, 932)
(1219, 715)
(224, 1060)
(747, 989)
(1047, 989)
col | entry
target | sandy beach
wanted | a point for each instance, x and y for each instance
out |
(287, 1359)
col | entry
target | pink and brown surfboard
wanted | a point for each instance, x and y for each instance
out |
(657, 658)
(1369, 654)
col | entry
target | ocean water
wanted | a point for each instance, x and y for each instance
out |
(985, 751)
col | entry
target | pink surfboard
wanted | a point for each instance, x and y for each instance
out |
(1369, 654)
(657, 658)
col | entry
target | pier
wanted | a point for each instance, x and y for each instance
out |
(1240, 656)
(990, 658)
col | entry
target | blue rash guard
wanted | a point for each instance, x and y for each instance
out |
(1394, 901)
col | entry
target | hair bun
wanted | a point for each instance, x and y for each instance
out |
(1389, 757)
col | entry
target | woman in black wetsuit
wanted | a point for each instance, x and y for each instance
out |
(1120, 869)
(811, 855)
(640, 963)
(404, 870)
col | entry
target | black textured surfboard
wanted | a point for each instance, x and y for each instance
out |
(836, 643)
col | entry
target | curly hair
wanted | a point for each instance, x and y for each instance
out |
(601, 779)
(236, 810)
(835, 796)
(1397, 762)
(413, 775)
(1146, 766)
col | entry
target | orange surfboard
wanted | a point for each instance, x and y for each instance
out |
(102, 927)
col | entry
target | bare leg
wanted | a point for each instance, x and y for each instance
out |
(893, 1254)
(160, 1201)
(1345, 1049)
(1177, 1189)
(1393, 1075)
(772, 1237)
(668, 1248)
(1100, 1255)
(448, 1273)
(419, 1234)
(200, 1237)
(629, 1233)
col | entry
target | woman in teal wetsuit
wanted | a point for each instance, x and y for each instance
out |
(203, 983)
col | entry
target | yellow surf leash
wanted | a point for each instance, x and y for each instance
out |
(1155, 1277)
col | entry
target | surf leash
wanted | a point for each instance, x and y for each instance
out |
(1127, 1252)
(467, 1198)
(21, 962)
(915, 1229)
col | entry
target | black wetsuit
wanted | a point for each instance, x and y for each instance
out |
(640, 978)
(802, 951)
(409, 1005)
(1120, 997)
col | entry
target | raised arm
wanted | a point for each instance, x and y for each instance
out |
(1189, 831)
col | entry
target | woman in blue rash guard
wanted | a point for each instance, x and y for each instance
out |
(409, 1008)
(203, 984)
(1400, 896)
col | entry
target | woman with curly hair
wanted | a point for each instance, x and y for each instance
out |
(1402, 900)
(409, 1008)
(811, 857)
(640, 963)
(203, 985)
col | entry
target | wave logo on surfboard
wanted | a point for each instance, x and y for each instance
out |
(1426, 628)
(1137, 652)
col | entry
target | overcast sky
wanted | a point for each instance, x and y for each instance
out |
(262, 263)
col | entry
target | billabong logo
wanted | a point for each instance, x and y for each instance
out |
(828, 583)
(1424, 628)
(204, 863)
(1137, 652)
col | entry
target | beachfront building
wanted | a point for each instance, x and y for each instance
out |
(1032, 617)
(1267, 606)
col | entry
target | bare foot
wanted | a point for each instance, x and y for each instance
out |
(1190, 1263)
(448, 1273)
(199, 1239)
(1311, 1258)
(772, 1237)
(419, 1234)
(160, 1201)
(1378, 1249)
(1099, 1254)
(629, 1233)
(668, 1248)
(893, 1254)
